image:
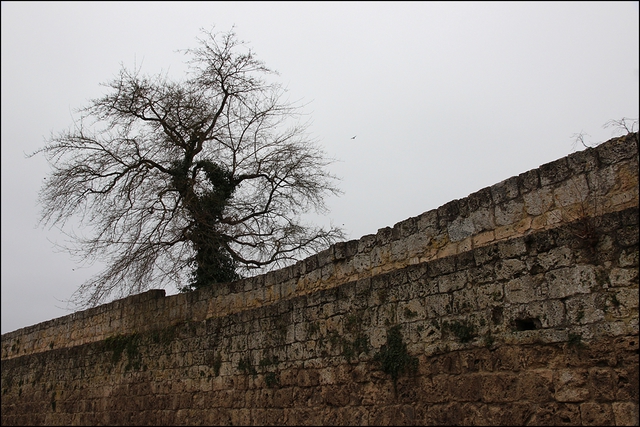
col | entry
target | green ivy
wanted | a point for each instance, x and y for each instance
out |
(394, 358)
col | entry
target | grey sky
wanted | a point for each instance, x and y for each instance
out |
(445, 99)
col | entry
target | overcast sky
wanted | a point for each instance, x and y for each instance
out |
(445, 99)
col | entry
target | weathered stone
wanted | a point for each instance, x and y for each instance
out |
(625, 413)
(512, 316)
(500, 387)
(538, 202)
(573, 191)
(525, 289)
(568, 281)
(509, 212)
(556, 171)
(571, 385)
(461, 228)
(448, 212)
(505, 190)
(618, 149)
(528, 181)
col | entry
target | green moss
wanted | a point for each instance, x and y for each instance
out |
(351, 322)
(334, 338)
(575, 340)
(271, 380)
(164, 336)
(247, 367)
(119, 344)
(351, 349)
(393, 357)
(464, 330)
(217, 363)
(281, 324)
(489, 340)
(409, 314)
(312, 328)
(267, 361)
(602, 278)
(614, 300)
(383, 295)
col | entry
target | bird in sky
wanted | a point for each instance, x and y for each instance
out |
(354, 137)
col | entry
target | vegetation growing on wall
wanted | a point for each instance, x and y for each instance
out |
(463, 330)
(121, 343)
(393, 357)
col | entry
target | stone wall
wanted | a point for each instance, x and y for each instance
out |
(515, 305)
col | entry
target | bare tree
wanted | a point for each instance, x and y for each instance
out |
(190, 182)
(623, 126)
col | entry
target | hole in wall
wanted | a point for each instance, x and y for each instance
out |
(528, 324)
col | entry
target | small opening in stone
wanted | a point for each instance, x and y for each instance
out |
(528, 324)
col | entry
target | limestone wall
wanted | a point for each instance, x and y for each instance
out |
(515, 305)
(594, 181)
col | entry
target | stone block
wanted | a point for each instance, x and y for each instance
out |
(625, 413)
(411, 311)
(500, 387)
(554, 172)
(509, 212)
(603, 383)
(575, 190)
(596, 414)
(460, 229)
(505, 190)
(468, 387)
(512, 248)
(441, 266)
(509, 268)
(465, 301)
(435, 389)
(416, 244)
(583, 161)
(536, 385)
(489, 295)
(398, 250)
(571, 385)
(452, 282)
(538, 202)
(405, 228)
(438, 305)
(585, 308)
(525, 289)
(554, 258)
(567, 281)
(623, 277)
(483, 238)
(615, 150)
(428, 222)
(528, 181)
(447, 213)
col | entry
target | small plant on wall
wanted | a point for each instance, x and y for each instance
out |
(463, 330)
(394, 358)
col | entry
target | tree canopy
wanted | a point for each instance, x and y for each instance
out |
(191, 182)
